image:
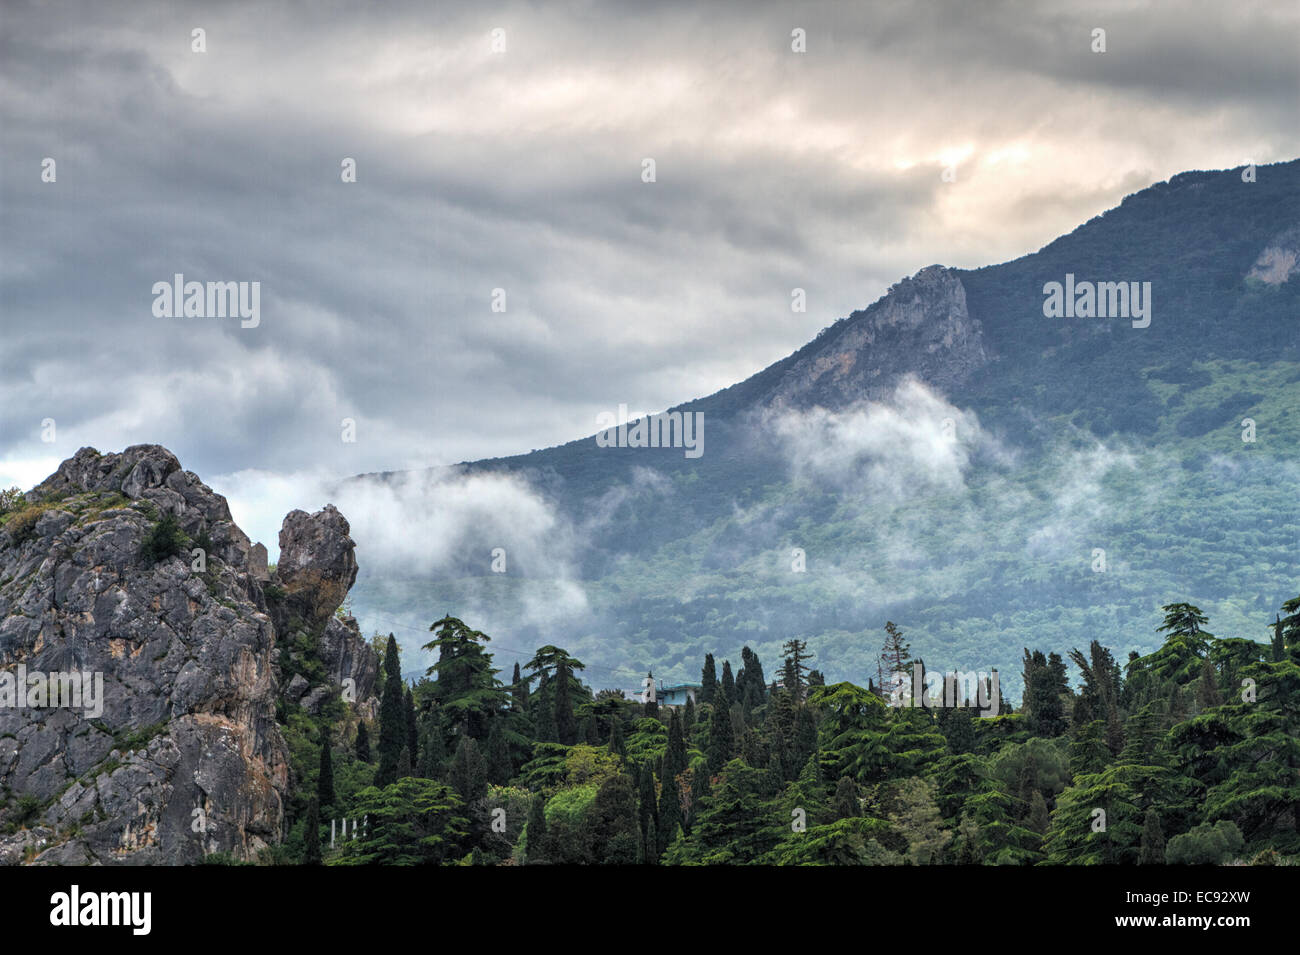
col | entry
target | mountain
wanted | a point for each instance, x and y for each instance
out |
(950, 458)
(191, 668)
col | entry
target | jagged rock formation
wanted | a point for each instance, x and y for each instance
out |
(183, 756)
(922, 327)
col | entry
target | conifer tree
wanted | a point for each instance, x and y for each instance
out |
(1152, 848)
(728, 684)
(720, 750)
(792, 673)
(617, 746)
(404, 768)
(311, 838)
(469, 771)
(392, 717)
(688, 716)
(535, 843)
(499, 765)
(670, 815)
(363, 743)
(412, 731)
(325, 779)
(846, 799)
(647, 804)
(708, 679)
(674, 762)
(519, 692)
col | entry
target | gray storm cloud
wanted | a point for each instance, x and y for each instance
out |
(520, 170)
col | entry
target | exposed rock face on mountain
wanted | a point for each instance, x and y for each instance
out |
(316, 569)
(182, 755)
(1279, 260)
(922, 327)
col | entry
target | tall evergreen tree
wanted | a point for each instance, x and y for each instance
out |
(720, 742)
(688, 715)
(1152, 848)
(728, 683)
(895, 660)
(392, 717)
(412, 731)
(363, 743)
(535, 841)
(674, 762)
(846, 799)
(311, 837)
(325, 778)
(617, 746)
(708, 679)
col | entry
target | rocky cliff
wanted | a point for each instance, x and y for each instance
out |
(921, 327)
(128, 572)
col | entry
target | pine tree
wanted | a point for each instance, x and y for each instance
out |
(1152, 849)
(325, 779)
(392, 717)
(895, 659)
(363, 742)
(794, 669)
(708, 679)
(312, 852)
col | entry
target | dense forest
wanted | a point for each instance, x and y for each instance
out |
(1190, 754)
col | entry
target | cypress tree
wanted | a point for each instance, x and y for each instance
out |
(648, 805)
(544, 712)
(363, 742)
(708, 679)
(699, 792)
(719, 736)
(311, 852)
(404, 763)
(674, 756)
(469, 771)
(325, 779)
(728, 683)
(412, 733)
(670, 816)
(616, 744)
(499, 765)
(565, 726)
(519, 692)
(688, 716)
(1039, 818)
(392, 717)
(535, 841)
(650, 852)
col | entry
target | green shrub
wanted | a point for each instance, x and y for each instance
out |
(10, 500)
(166, 539)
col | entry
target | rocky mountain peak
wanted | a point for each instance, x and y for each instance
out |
(921, 326)
(169, 750)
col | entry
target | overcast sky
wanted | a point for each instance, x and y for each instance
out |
(521, 169)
